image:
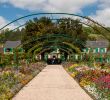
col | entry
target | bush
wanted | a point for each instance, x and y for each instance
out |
(2, 65)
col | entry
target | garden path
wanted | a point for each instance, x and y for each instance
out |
(53, 83)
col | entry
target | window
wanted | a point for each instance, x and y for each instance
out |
(102, 50)
(8, 50)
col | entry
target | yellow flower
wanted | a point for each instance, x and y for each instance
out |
(84, 82)
(74, 74)
(73, 66)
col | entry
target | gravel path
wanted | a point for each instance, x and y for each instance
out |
(53, 83)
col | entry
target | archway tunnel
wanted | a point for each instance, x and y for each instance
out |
(45, 36)
(49, 50)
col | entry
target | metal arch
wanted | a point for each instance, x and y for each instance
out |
(84, 17)
(57, 19)
(30, 50)
(50, 36)
(41, 44)
(60, 49)
(59, 42)
(41, 51)
(70, 46)
(48, 48)
(59, 46)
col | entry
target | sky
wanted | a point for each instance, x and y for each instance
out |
(99, 10)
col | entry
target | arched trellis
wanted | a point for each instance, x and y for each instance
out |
(38, 50)
(47, 37)
(59, 19)
(68, 14)
(64, 36)
(84, 17)
(71, 15)
(49, 48)
(70, 48)
(40, 46)
(34, 47)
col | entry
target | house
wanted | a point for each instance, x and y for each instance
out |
(98, 48)
(9, 47)
(54, 53)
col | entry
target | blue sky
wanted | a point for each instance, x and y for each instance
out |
(9, 12)
(90, 10)
(99, 10)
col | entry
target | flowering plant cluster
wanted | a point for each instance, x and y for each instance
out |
(95, 80)
(12, 80)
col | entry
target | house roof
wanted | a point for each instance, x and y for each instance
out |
(12, 44)
(97, 44)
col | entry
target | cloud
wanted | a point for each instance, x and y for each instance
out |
(104, 4)
(103, 13)
(3, 22)
(72, 6)
(103, 16)
(3, 1)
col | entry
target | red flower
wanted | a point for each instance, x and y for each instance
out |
(104, 81)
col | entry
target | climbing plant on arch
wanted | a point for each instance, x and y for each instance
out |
(43, 46)
(47, 42)
(60, 39)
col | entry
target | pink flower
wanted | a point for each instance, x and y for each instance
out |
(103, 81)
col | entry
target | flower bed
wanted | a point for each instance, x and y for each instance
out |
(12, 80)
(94, 80)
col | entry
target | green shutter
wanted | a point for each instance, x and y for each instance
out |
(46, 57)
(11, 49)
(91, 50)
(102, 50)
(96, 50)
(86, 49)
(4, 50)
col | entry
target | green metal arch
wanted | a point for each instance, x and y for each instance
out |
(40, 45)
(56, 19)
(60, 46)
(59, 43)
(36, 46)
(74, 47)
(48, 48)
(84, 17)
(64, 36)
